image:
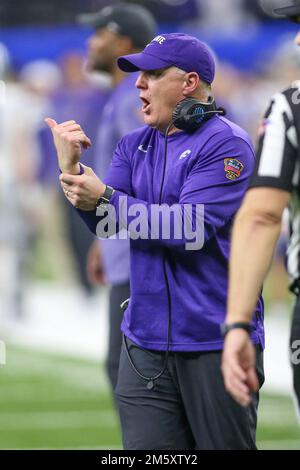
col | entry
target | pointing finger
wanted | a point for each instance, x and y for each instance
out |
(51, 123)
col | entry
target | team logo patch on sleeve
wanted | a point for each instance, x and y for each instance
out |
(233, 168)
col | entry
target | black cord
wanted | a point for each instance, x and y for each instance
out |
(151, 380)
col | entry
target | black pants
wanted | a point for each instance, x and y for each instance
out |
(188, 408)
(295, 350)
(118, 293)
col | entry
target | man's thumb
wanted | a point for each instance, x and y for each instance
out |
(87, 170)
(252, 380)
(51, 123)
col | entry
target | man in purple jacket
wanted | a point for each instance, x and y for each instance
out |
(170, 390)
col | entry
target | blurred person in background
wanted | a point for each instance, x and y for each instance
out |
(76, 96)
(120, 29)
(216, 13)
(227, 82)
(275, 185)
(284, 65)
(26, 102)
(172, 11)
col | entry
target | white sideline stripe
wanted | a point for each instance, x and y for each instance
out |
(292, 444)
(40, 366)
(38, 359)
(57, 419)
(81, 382)
(278, 420)
(269, 412)
(29, 394)
(80, 376)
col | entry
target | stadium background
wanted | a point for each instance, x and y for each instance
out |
(53, 389)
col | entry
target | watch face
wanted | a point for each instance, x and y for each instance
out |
(103, 201)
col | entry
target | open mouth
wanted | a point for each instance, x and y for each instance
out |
(146, 105)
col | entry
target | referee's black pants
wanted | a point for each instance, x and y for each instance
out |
(188, 408)
(295, 350)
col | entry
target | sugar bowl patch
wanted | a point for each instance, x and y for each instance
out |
(233, 168)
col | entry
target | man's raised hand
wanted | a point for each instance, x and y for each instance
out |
(69, 139)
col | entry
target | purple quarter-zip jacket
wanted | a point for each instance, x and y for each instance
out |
(212, 167)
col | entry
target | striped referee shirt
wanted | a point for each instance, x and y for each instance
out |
(277, 165)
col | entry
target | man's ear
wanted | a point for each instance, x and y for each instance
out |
(190, 83)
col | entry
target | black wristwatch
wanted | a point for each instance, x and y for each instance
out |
(105, 198)
(226, 327)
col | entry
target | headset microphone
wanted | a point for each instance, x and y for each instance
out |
(190, 113)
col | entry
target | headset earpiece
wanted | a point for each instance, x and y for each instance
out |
(190, 113)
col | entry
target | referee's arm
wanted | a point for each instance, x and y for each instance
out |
(255, 233)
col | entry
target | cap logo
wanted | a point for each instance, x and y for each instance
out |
(113, 27)
(159, 39)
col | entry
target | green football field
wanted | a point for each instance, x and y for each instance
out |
(54, 402)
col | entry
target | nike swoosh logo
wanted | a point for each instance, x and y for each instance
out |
(185, 154)
(142, 149)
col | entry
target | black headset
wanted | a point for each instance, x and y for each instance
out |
(190, 113)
